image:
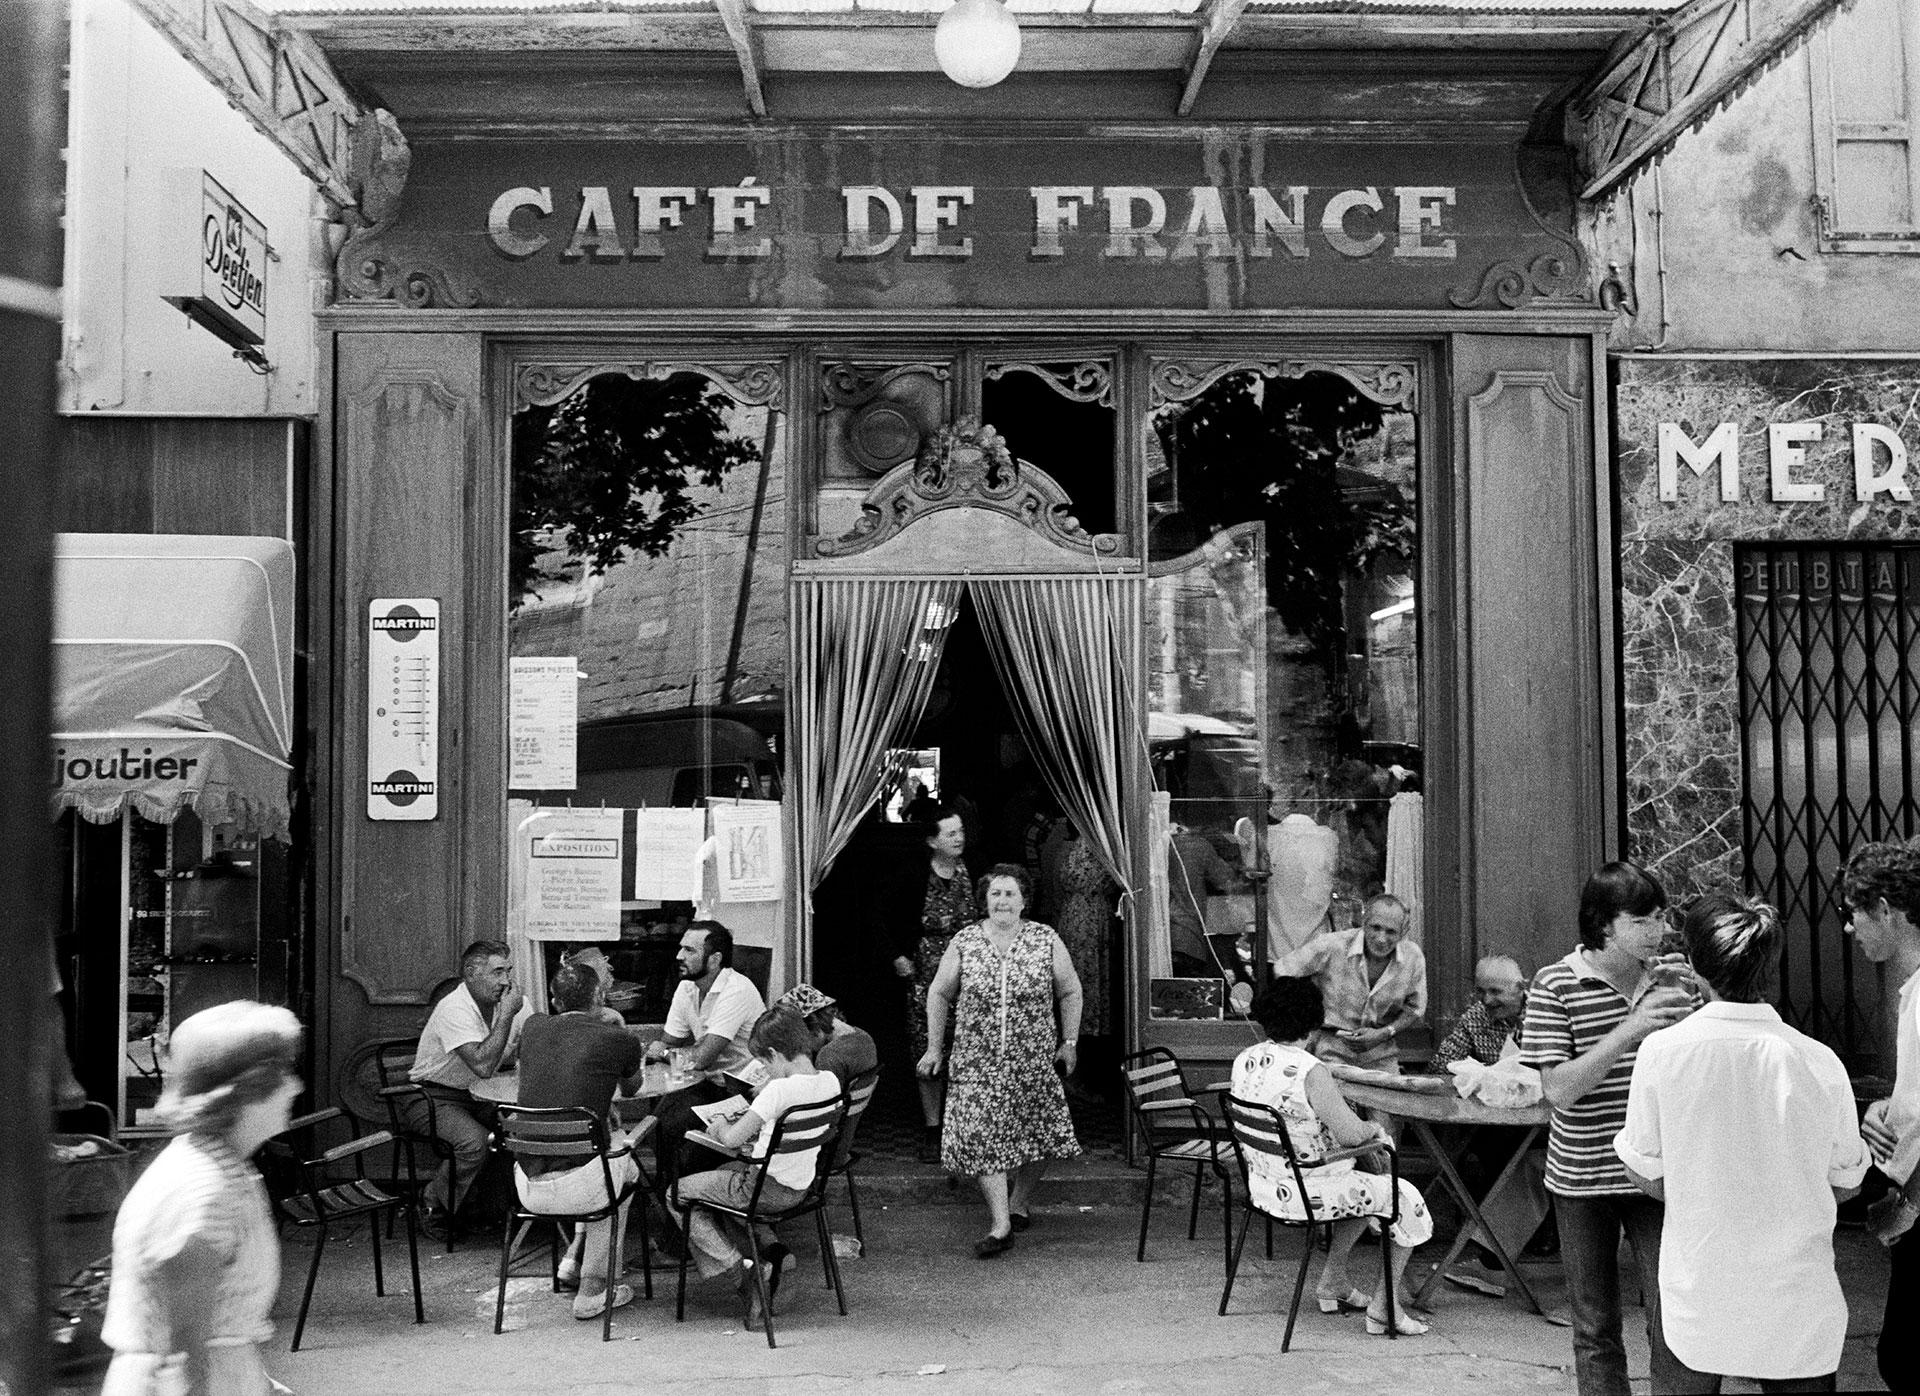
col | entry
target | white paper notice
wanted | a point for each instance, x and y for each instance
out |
(747, 861)
(666, 854)
(573, 874)
(543, 719)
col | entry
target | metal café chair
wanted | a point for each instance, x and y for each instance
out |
(798, 1129)
(322, 1201)
(1173, 1127)
(859, 1095)
(1258, 1128)
(393, 1057)
(569, 1131)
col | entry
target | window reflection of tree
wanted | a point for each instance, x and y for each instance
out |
(1328, 472)
(610, 469)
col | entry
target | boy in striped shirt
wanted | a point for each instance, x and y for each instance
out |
(1586, 1017)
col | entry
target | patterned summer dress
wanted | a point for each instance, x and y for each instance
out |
(947, 907)
(1005, 1104)
(1275, 1073)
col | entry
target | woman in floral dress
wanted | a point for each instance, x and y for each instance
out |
(945, 904)
(1009, 985)
(1284, 1074)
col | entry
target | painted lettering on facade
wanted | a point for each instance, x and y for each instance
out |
(1119, 222)
(1879, 461)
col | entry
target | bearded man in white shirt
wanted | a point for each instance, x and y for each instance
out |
(1746, 1129)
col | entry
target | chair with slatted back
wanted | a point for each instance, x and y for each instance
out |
(1173, 1127)
(845, 1155)
(524, 1132)
(393, 1057)
(323, 1200)
(800, 1128)
(1258, 1129)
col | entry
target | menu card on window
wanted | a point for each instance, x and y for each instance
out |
(666, 854)
(543, 717)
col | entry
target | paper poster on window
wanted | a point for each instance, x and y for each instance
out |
(666, 854)
(543, 717)
(747, 861)
(572, 873)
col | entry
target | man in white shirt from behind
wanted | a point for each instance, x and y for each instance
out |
(1746, 1128)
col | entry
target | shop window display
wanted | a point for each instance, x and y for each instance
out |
(647, 545)
(1284, 650)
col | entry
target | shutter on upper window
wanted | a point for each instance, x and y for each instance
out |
(1866, 107)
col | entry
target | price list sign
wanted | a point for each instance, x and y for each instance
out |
(403, 708)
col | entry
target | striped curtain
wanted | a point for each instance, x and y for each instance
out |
(1067, 652)
(865, 659)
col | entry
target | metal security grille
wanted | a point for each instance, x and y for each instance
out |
(1829, 700)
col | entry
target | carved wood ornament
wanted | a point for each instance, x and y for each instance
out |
(968, 466)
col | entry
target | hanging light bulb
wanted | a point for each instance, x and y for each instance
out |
(977, 42)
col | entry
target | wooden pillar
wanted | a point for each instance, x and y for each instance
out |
(1532, 724)
(415, 503)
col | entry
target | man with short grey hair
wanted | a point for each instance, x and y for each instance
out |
(1373, 981)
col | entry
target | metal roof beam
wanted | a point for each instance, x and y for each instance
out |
(1676, 75)
(746, 47)
(279, 80)
(1217, 19)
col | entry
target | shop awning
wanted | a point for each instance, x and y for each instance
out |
(173, 677)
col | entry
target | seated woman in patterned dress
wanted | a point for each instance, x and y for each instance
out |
(1007, 982)
(1284, 1074)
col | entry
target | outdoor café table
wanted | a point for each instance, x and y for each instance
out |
(1424, 1102)
(656, 1080)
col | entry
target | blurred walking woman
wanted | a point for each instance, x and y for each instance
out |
(1014, 1000)
(196, 1258)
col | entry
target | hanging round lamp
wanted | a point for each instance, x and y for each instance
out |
(977, 42)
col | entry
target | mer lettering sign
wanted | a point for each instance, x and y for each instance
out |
(1879, 461)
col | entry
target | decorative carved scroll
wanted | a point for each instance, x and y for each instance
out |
(1088, 381)
(968, 467)
(853, 384)
(751, 383)
(1389, 382)
(1177, 380)
(1556, 278)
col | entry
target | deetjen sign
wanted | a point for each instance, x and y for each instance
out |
(217, 262)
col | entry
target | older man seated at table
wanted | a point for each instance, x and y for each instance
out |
(1488, 1031)
(712, 1014)
(1373, 980)
(470, 1037)
(838, 1046)
(574, 1057)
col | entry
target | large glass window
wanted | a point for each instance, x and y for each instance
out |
(1283, 656)
(648, 552)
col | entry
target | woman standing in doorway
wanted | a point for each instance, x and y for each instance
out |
(946, 903)
(1014, 1000)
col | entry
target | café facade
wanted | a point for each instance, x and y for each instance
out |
(1038, 447)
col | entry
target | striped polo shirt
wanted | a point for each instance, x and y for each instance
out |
(1569, 1009)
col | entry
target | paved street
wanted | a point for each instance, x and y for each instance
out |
(1068, 1310)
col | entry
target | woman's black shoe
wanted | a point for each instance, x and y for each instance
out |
(988, 1246)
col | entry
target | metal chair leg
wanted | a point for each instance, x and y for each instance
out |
(1193, 1212)
(1146, 1207)
(1299, 1287)
(638, 1202)
(1386, 1276)
(413, 1262)
(506, 1258)
(379, 1276)
(1226, 1220)
(686, 1251)
(1233, 1260)
(853, 1201)
(306, 1295)
(1269, 1238)
(759, 1282)
(833, 1261)
(613, 1273)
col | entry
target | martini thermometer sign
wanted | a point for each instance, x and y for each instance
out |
(403, 708)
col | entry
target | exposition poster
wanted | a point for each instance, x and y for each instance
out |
(573, 873)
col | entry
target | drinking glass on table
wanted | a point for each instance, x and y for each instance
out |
(681, 1063)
